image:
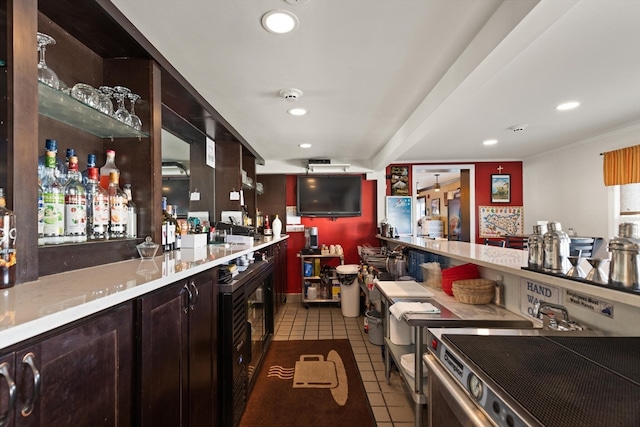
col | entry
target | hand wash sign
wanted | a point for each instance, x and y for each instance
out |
(531, 292)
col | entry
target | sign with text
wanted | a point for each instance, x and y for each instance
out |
(590, 303)
(531, 292)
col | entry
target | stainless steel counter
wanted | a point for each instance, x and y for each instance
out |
(32, 308)
(452, 314)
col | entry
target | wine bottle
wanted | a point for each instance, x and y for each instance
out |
(168, 229)
(75, 205)
(117, 207)
(7, 244)
(97, 207)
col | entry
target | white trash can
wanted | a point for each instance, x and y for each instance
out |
(349, 289)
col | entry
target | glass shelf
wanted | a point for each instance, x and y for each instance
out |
(63, 108)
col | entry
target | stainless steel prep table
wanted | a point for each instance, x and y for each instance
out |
(452, 314)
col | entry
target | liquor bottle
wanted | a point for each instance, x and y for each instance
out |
(97, 207)
(109, 166)
(117, 207)
(63, 177)
(49, 145)
(75, 205)
(53, 198)
(168, 228)
(132, 213)
(7, 244)
(91, 163)
(40, 216)
(267, 228)
(174, 214)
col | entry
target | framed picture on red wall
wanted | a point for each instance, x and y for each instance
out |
(501, 188)
(399, 180)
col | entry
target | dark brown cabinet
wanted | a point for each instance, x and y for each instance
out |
(177, 342)
(80, 376)
(97, 45)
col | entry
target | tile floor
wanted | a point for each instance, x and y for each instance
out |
(391, 406)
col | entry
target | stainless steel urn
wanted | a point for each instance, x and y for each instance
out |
(556, 249)
(624, 267)
(535, 244)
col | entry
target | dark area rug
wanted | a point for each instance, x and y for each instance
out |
(308, 383)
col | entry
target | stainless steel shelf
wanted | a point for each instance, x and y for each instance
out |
(63, 108)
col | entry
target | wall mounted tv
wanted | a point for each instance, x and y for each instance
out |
(329, 195)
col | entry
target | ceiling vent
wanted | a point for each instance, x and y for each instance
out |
(291, 94)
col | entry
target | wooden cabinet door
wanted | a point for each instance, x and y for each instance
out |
(85, 375)
(163, 349)
(7, 387)
(202, 396)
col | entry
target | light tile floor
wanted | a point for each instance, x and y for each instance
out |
(391, 406)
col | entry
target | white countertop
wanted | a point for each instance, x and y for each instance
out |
(32, 308)
(509, 261)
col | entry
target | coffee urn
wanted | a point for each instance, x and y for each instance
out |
(556, 249)
(535, 245)
(624, 267)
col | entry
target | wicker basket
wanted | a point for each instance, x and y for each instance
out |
(474, 291)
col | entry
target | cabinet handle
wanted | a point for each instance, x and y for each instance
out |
(27, 409)
(195, 295)
(4, 372)
(186, 294)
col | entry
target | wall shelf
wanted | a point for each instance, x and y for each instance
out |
(59, 106)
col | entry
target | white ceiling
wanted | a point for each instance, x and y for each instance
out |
(393, 81)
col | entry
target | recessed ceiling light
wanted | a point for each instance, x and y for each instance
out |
(490, 142)
(298, 111)
(304, 145)
(279, 21)
(568, 106)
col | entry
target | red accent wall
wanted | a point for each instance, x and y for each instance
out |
(348, 232)
(483, 186)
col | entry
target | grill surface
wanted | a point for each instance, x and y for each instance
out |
(556, 385)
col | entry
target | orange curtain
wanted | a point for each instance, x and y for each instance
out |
(622, 166)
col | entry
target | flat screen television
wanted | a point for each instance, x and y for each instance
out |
(329, 195)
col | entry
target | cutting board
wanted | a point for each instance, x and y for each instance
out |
(404, 289)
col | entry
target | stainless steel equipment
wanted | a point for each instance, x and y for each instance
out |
(536, 248)
(313, 237)
(533, 378)
(624, 268)
(556, 249)
(548, 313)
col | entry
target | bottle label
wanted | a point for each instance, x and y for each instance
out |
(75, 214)
(118, 206)
(53, 214)
(101, 211)
(40, 215)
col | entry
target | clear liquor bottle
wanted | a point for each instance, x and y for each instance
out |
(178, 233)
(97, 207)
(108, 167)
(132, 213)
(117, 207)
(40, 216)
(53, 198)
(49, 145)
(91, 163)
(64, 174)
(7, 244)
(75, 205)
